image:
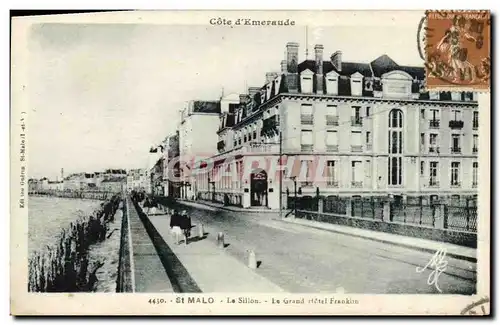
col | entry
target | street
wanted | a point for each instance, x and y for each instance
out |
(307, 260)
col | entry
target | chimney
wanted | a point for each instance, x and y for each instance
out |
(270, 76)
(292, 61)
(292, 57)
(283, 66)
(336, 59)
(243, 98)
(318, 51)
(252, 91)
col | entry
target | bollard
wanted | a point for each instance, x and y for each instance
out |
(252, 260)
(220, 240)
(201, 231)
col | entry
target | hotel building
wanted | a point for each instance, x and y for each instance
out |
(371, 128)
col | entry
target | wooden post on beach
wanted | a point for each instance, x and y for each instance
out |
(252, 260)
(220, 240)
(201, 231)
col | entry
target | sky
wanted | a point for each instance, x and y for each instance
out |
(100, 95)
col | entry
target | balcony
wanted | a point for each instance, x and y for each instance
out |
(259, 147)
(455, 184)
(332, 148)
(474, 185)
(474, 150)
(475, 124)
(369, 147)
(332, 120)
(306, 147)
(356, 148)
(433, 149)
(434, 124)
(306, 119)
(356, 121)
(456, 124)
(357, 184)
(332, 184)
(306, 184)
(456, 150)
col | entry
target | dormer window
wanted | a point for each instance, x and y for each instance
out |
(456, 95)
(434, 95)
(357, 84)
(277, 83)
(397, 84)
(306, 81)
(332, 83)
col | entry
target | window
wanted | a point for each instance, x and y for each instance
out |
(331, 115)
(331, 173)
(356, 145)
(422, 168)
(475, 120)
(368, 137)
(433, 173)
(396, 118)
(395, 145)
(368, 111)
(468, 96)
(456, 95)
(474, 173)
(433, 142)
(306, 114)
(434, 95)
(306, 165)
(331, 141)
(455, 173)
(306, 140)
(456, 115)
(255, 134)
(357, 173)
(422, 113)
(434, 114)
(332, 83)
(422, 141)
(356, 115)
(306, 81)
(368, 169)
(356, 85)
(455, 143)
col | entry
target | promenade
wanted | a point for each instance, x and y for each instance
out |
(160, 265)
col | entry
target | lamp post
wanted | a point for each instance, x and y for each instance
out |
(294, 178)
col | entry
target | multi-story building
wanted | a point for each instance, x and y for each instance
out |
(170, 173)
(367, 129)
(198, 126)
(138, 179)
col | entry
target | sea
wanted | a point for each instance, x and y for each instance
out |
(47, 216)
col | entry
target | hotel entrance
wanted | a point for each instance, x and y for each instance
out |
(258, 188)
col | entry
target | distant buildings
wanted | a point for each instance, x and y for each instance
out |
(139, 179)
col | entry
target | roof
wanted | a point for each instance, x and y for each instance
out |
(384, 64)
(114, 180)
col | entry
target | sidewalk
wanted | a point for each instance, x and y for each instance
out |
(210, 267)
(455, 251)
(212, 206)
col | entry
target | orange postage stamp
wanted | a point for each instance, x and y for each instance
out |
(458, 50)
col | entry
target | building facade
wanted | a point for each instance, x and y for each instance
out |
(345, 129)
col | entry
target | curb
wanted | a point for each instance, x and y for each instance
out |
(424, 249)
(251, 211)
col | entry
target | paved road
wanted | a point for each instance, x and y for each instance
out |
(307, 260)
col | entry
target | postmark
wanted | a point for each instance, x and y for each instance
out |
(477, 308)
(457, 50)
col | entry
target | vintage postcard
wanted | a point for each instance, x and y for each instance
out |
(251, 163)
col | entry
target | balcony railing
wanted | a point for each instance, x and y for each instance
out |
(306, 119)
(455, 184)
(433, 183)
(434, 149)
(332, 184)
(475, 124)
(332, 148)
(257, 147)
(356, 121)
(369, 147)
(474, 150)
(456, 150)
(332, 120)
(357, 184)
(456, 124)
(306, 147)
(474, 185)
(434, 124)
(356, 148)
(306, 184)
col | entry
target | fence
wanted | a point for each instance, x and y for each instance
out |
(419, 211)
(124, 276)
(90, 195)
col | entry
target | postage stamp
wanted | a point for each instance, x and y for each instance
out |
(250, 163)
(458, 50)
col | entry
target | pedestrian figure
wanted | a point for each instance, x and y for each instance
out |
(175, 225)
(185, 226)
